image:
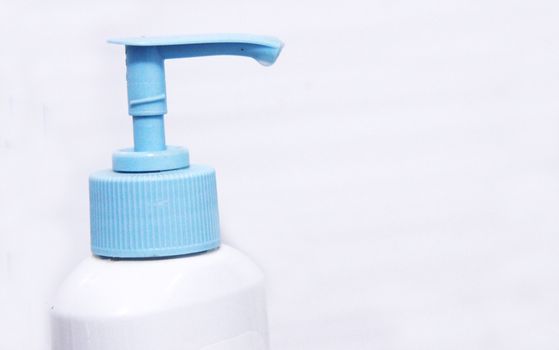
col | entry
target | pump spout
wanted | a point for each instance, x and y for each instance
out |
(263, 54)
(145, 62)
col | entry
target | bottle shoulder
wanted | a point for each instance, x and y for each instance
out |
(100, 286)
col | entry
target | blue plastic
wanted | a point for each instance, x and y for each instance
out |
(147, 215)
(130, 161)
(147, 97)
(154, 203)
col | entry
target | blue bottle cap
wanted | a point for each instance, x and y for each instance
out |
(154, 203)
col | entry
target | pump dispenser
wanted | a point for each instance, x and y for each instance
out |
(154, 203)
(145, 288)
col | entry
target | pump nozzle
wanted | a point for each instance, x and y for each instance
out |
(147, 99)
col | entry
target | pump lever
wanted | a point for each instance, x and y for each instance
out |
(147, 98)
(263, 49)
(145, 67)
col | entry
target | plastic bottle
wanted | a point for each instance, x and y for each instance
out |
(158, 277)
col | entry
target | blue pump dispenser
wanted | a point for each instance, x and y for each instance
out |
(154, 203)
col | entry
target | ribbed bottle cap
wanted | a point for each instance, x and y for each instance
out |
(138, 215)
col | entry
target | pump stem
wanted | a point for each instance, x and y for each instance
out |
(149, 133)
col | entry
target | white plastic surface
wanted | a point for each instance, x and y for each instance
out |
(210, 301)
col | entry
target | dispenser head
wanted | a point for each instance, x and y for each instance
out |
(154, 203)
(147, 97)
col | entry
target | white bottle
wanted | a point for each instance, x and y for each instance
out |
(159, 278)
(214, 300)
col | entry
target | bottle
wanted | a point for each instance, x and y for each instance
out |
(158, 277)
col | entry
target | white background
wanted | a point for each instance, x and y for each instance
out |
(396, 173)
